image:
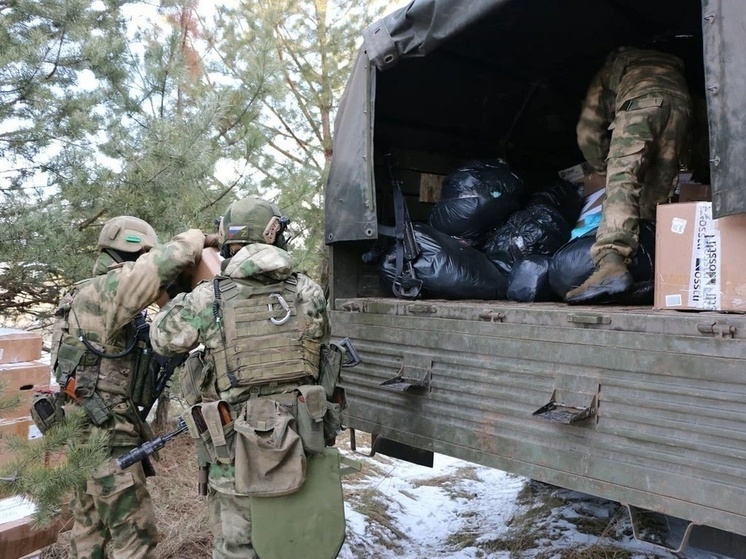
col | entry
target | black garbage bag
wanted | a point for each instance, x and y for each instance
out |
(476, 198)
(642, 293)
(572, 263)
(448, 268)
(562, 195)
(529, 280)
(538, 229)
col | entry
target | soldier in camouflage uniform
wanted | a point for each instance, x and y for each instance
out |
(633, 127)
(252, 239)
(95, 319)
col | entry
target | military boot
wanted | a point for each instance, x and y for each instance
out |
(610, 278)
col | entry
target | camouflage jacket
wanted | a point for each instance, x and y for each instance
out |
(103, 308)
(188, 320)
(628, 73)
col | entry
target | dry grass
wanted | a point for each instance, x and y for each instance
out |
(532, 528)
(181, 513)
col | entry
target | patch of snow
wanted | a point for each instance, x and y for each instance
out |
(460, 510)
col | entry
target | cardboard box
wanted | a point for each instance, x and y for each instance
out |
(575, 173)
(208, 267)
(699, 260)
(23, 427)
(592, 183)
(19, 345)
(695, 192)
(23, 379)
(18, 538)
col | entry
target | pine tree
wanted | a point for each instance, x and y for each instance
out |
(101, 118)
(28, 474)
(314, 45)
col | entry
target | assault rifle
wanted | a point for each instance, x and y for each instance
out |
(146, 449)
(405, 285)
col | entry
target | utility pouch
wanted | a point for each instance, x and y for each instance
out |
(143, 379)
(220, 427)
(269, 455)
(191, 378)
(310, 417)
(330, 366)
(46, 411)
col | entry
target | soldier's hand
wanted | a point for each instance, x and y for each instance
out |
(212, 240)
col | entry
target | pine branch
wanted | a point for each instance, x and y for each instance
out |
(28, 474)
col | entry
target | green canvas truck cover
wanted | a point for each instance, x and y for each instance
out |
(529, 44)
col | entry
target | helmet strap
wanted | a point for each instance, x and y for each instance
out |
(120, 256)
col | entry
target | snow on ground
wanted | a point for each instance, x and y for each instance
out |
(459, 510)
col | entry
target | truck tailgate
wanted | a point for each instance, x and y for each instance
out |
(663, 392)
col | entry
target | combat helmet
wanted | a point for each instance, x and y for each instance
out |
(252, 220)
(127, 234)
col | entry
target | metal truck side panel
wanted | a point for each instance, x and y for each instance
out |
(670, 430)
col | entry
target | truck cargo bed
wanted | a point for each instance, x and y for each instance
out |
(662, 393)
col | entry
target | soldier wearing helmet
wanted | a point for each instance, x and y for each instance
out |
(98, 349)
(262, 326)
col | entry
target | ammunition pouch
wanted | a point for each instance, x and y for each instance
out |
(310, 417)
(96, 409)
(46, 410)
(76, 362)
(332, 422)
(330, 369)
(330, 366)
(211, 426)
(141, 389)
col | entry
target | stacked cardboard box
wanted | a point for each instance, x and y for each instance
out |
(690, 191)
(21, 372)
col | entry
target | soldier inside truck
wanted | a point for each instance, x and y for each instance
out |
(510, 86)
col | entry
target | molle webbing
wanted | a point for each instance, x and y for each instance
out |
(259, 351)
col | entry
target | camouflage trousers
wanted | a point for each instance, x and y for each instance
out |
(230, 523)
(647, 141)
(115, 507)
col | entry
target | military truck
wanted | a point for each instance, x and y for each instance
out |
(651, 403)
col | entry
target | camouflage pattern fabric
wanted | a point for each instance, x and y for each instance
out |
(231, 525)
(116, 507)
(633, 128)
(187, 321)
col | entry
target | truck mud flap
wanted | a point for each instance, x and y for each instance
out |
(394, 449)
(402, 451)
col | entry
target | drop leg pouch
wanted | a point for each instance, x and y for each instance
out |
(313, 520)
